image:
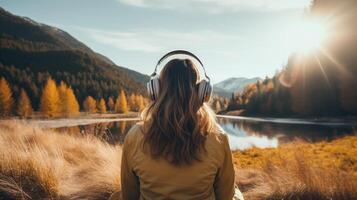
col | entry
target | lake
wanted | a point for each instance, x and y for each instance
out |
(243, 132)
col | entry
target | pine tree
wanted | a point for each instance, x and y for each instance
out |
(101, 106)
(111, 104)
(72, 103)
(146, 101)
(89, 105)
(121, 105)
(6, 100)
(68, 104)
(24, 108)
(218, 106)
(49, 104)
(139, 102)
(132, 103)
(62, 91)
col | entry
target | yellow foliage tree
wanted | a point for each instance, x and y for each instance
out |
(121, 105)
(111, 104)
(62, 91)
(72, 103)
(139, 102)
(49, 104)
(101, 106)
(132, 102)
(89, 105)
(68, 104)
(146, 101)
(217, 106)
(24, 108)
(6, 100)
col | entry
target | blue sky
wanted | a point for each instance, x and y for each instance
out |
(233, 38)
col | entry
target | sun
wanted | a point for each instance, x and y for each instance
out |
(307, 36)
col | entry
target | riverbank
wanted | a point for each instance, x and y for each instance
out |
(81, 115)
(304, 121)
(42, 164)
(316, 119)
(82, 119)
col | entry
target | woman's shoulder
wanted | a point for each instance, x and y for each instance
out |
(218, 135)
(217, 146)
(135, 133)
(218, 138)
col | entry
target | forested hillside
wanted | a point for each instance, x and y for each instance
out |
(31, 52)
(322, 83)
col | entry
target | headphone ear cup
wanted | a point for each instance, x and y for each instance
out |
(208, 93)
(204, 91)
(153, 87)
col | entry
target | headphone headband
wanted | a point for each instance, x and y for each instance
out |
(184, 52)
(204, 86)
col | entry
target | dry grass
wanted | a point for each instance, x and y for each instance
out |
(325, 170)
(340, 153)
(43, 164)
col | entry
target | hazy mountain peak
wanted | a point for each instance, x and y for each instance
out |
(233, 84)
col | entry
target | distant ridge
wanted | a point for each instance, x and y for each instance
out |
(228, 86)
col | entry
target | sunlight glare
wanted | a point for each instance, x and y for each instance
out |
(307, 36)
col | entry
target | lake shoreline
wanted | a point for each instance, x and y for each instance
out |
(81, 119)
(86, 119)
(306, 121)
(242, 113)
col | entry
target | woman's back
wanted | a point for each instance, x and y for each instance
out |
(144, 177)
(178, 151)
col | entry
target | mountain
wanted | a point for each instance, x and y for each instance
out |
(228, 86)
(30, 52)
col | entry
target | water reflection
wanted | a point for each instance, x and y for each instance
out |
(242, 134)
(239, 138)
(245, 134)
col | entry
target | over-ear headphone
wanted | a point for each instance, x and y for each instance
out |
(204, 86)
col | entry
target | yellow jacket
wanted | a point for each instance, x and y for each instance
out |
(145, 178)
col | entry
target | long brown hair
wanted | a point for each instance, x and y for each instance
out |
(177, 123)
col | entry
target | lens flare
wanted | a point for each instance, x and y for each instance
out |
(307, 36)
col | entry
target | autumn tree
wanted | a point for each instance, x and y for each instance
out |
(6, 100)
(121, 105)
(89, 105)
(139, 101)
(62, 91)
(72, 105)
(136, 102)
(111, 104)
(24, 108)
(146, 101)
(68, 104)
(49, 104)
(101, 106)
(132, 102)
(218, 106)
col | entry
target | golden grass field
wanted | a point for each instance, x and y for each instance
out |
(44, 164)
(299, 170)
